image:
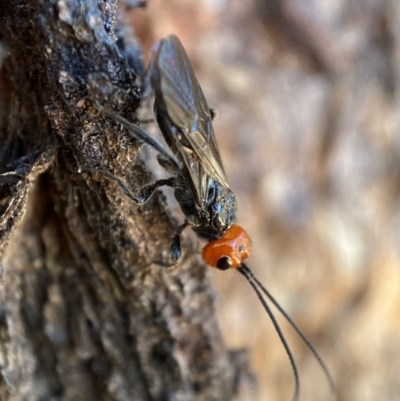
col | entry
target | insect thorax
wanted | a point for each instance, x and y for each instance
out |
(212, 218)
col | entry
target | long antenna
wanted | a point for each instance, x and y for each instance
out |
(250, 277)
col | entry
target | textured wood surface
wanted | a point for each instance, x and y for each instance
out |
(84, 314)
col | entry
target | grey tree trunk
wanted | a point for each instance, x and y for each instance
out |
(84, 314)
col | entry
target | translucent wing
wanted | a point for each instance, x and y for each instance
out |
(184, 116)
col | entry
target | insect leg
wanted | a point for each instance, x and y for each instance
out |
(147, 121)
(175, 250)
(136, 132)
(144, 193)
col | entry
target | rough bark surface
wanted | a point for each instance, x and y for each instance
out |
(84, 314)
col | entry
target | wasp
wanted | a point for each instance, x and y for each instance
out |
(198, 177)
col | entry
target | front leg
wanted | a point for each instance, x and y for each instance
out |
(144, 193)
(175, 250)
(143, 196)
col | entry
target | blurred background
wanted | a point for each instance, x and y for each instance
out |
(307, 94)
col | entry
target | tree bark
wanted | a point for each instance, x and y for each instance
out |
(84, 313)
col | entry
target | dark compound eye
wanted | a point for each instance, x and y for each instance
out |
(224, 263)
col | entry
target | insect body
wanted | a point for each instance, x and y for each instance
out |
(185, 121)
(198, 178)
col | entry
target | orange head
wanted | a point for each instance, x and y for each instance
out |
(229, 251)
